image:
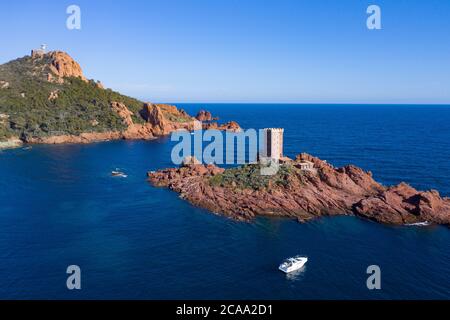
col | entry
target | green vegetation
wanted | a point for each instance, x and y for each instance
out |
(178, 118)
(249, 177)
(174, 115)
(79, 107)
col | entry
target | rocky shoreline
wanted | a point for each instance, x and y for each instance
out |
(10, 143)
(156, 124)
(241, 193)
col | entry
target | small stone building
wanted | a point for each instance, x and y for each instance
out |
(305, 165)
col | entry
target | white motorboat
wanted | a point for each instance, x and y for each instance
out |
(293, 264)
(117, 173)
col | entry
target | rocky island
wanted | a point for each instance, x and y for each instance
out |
(243, 193)
(45, 98)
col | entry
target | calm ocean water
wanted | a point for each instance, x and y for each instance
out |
(60, 206)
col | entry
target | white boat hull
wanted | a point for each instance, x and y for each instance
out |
(293, 267)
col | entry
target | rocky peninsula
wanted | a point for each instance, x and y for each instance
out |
(243, 193)
(46, 98)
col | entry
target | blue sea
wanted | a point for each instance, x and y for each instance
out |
(59, 206)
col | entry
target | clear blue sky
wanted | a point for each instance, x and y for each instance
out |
(248, 50)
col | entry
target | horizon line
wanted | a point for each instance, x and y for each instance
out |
(312, 103)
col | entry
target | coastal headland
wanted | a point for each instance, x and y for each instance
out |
(46, 98)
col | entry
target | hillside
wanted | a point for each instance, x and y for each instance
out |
(45, 98)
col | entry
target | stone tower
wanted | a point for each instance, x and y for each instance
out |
(272, 145)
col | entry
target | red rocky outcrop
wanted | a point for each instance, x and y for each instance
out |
(204, 115)
(404, 204)
(307, 194)
(231, 126)
(62, 65)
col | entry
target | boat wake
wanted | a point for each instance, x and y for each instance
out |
(418, 224)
